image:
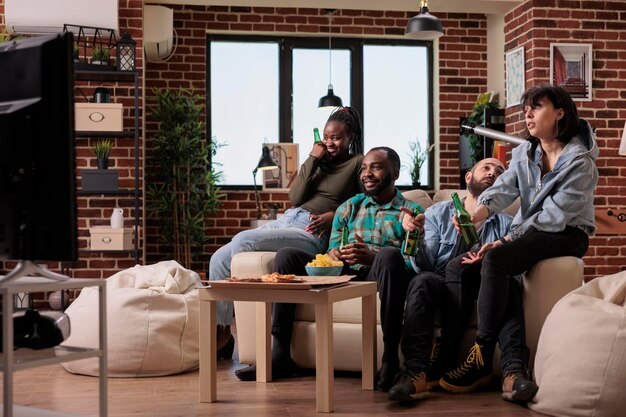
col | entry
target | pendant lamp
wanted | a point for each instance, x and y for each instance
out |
(330, 100)
(424, 26)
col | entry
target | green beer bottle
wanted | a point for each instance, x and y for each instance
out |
(316, 135)
(468, 230)
(344, 237)
(410, 240)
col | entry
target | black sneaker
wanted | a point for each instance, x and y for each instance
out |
(279, 371)
(409, 387)
(470, 375)
(387, 375)
(518, 387)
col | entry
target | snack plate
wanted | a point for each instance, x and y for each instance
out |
(303, 282)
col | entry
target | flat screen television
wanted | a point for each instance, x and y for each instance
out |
(37, 175)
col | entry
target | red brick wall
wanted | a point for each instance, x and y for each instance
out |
(537, 23)
(463, 75)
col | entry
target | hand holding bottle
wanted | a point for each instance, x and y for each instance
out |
(319, 149)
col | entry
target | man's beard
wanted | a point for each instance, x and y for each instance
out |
(384, 183)
(476, 188)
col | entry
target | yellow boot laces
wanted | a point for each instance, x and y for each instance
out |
(475, 357)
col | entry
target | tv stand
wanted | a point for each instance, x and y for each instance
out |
(25, 268)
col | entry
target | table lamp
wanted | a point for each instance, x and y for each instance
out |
(266, 162)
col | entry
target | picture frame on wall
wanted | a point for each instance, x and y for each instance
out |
(570, 68)
(281, 179)
(515, 76)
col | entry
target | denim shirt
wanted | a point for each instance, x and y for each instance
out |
(562, 197)
(435, 249)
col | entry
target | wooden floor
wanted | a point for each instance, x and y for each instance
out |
(53, 388)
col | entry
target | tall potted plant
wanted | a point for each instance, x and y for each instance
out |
(185, 188)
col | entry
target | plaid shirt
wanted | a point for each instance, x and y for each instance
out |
(378, 226)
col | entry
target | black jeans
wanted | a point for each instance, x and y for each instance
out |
(388, 269)
(500, 309)
(425, 294)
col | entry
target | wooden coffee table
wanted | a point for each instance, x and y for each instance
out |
(265, 295)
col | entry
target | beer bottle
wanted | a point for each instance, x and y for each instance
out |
(316, 135)
(411, 239)
(344, 237)
(468, 230)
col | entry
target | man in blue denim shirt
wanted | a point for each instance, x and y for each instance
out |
(440, 242)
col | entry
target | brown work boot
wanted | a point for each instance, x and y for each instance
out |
(518, 387)
(409, 386)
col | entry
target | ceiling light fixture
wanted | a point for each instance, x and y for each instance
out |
(424, 26)
(330, 100)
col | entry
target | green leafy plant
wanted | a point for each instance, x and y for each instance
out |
(7, 35)
(184, 190)
(100, 53)
(484, 101)
(417, 157)
(102, 149)
(76, 51)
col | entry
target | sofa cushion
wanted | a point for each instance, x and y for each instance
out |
(580, 362)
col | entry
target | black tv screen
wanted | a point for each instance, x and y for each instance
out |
(37, 178)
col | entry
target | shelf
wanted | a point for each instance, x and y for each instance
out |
(107, 193)
(94, 134)
(108, 251)
(87, 75)
(21, 411)
(40, 284)
(29, 358)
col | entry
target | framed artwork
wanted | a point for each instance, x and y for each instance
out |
(280, 179)
(570, 68)
(515, 76)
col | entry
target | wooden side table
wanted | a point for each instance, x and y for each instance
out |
(323, 300)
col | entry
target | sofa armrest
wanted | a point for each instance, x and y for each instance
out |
(545, 284)
(252, 264)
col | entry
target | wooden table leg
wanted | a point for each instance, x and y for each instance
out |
(324, 358)
(208, 351)
(368, 330)
(263, 342)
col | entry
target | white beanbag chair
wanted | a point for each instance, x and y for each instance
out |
(580, 365)
(152, 322)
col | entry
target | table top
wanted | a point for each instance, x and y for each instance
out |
(268, 293)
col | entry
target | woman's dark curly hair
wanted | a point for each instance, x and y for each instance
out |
(351, 118)
(568, 126)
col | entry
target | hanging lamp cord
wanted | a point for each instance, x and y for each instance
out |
(330, 51)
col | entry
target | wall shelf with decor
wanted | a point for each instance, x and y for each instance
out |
(115, 78)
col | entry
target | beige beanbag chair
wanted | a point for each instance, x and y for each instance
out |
(152, 322)
(580, 365)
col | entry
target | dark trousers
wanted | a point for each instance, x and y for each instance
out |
(389, 270)
(500, 310)
(425, 294)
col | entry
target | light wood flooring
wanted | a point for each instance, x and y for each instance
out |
(53, 388)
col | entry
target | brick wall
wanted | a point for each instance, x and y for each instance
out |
(463, 75)
(537, 23)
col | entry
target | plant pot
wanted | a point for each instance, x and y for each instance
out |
(99, 63)
(103, 163)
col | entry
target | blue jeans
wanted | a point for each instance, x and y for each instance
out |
(287, 231)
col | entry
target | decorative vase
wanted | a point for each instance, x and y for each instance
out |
(103, 163)
(117, 218)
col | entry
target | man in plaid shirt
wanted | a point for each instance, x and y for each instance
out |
(374, 221)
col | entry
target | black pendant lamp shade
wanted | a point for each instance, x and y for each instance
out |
(424, 26)
(266, 161)
(330, 99)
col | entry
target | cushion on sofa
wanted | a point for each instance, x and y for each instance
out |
(580, 362)
(152, 322)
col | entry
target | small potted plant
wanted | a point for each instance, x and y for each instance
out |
(76, 53)
(102, 150)
(417, 157)
(100, 55)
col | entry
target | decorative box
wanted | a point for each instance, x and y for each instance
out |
(100, 117)
(99, 180)
(111, 238)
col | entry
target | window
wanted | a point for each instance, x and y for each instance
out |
(266, 89)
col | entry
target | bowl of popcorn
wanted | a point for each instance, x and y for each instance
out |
(323, 265)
